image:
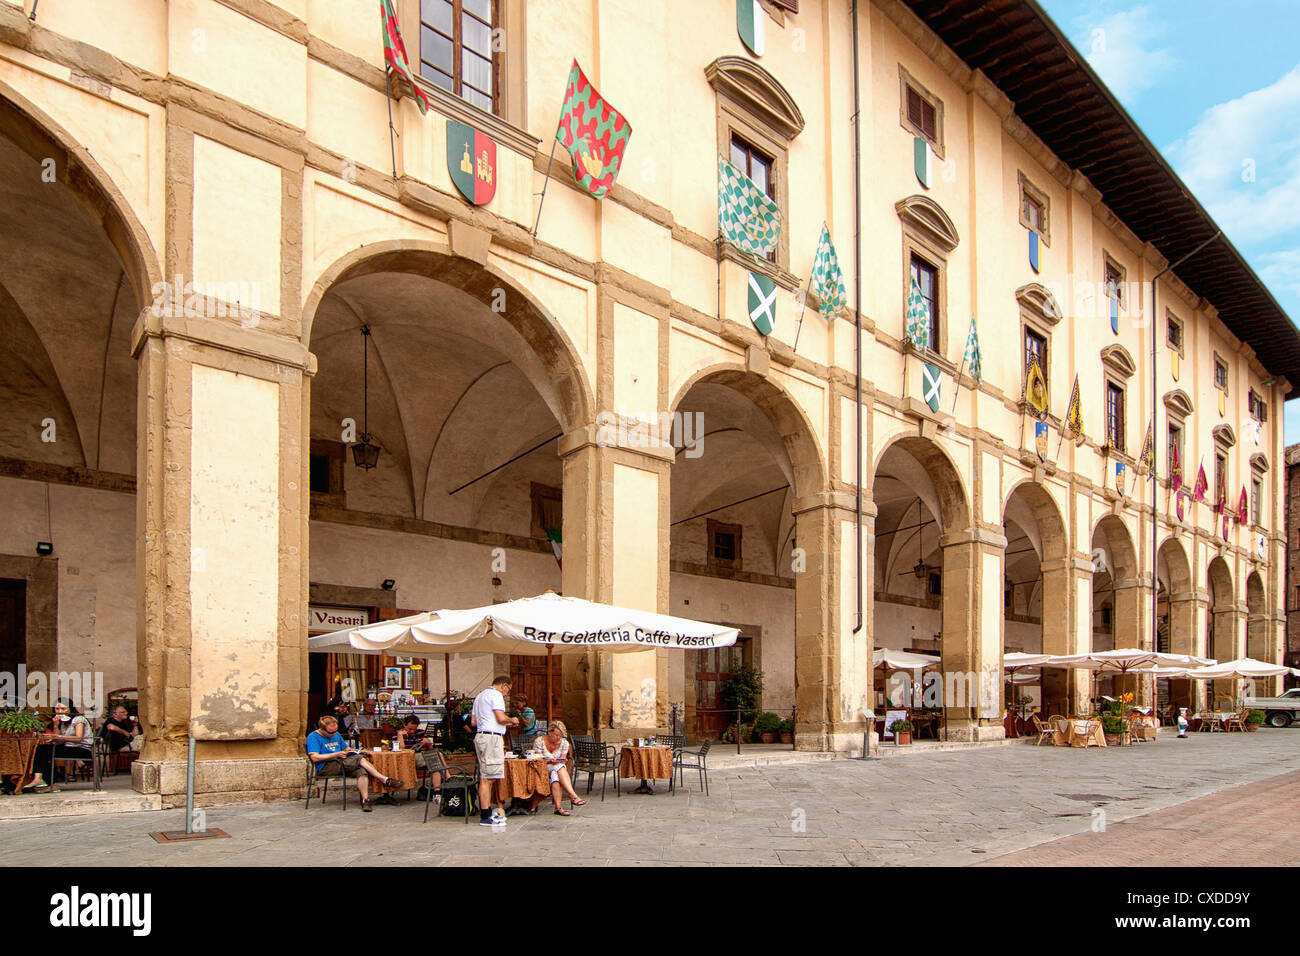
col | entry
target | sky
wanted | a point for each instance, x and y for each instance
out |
(1216, 87)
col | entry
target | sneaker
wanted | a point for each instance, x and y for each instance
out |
(496, 822)
(498, 814)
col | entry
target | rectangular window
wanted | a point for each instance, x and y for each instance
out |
(548, 510)
(1115, 415)
(1114, 283)
(1175, 334)
(1220, 374)
(926, 278)
(724, 544)
(1035, 351)
(1258, 410)
(325, 469)
(1175, 442)
(1256, 500)
(758, 166)
(1034, 214)
(456, 49)
(1220, 477)
(921, 114)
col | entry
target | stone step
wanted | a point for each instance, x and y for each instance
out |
(65, 803)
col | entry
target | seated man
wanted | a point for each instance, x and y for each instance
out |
(411, 737)
(119, 730)
(329, 753)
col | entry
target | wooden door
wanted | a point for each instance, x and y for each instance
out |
(712, 667)
(528, 677)
(13, 626)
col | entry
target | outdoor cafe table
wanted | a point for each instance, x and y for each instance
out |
(1079, 734)
(648, 763)
(1210, 720)
(397, 764)
(526, 778)
(16, 755)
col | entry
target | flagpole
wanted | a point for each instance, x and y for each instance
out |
(956, 383)
(388, 97)
(547, 182)
(799, 328)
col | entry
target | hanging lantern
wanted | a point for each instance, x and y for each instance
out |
(365, 454)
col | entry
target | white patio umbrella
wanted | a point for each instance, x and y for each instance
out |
(1244, 668)
(536, 626)
(1125, 660)
(903, 660)
(1017, 663)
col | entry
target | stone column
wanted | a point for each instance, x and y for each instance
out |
(1200, 689)
(1229, 644)
(616, 546)
(833, 674)
(972, 633)
(1182, 640)
(221, 570)
(1132, 611)
(1067, 585)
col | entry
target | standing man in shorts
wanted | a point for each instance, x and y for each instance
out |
(489, 746)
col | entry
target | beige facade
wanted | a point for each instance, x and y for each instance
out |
(243, 147)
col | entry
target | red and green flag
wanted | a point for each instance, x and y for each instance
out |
(553, 534)
(594, 133)
(1243, 507)
(395, 52)
(1201, 486)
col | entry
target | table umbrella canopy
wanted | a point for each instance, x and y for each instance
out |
(903, 660)
(534, 626)
(1243, 667)
(1124, 660)
(1015, 660)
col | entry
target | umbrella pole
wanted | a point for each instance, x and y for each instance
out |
(548, 685)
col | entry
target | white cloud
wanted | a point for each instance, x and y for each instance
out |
(1281, 273)
(1242, 160)
(1124, 50)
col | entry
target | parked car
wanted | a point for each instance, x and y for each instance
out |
(1278, 711)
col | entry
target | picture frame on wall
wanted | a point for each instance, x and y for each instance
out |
(408, 679)
(405, 661)
(393, 677)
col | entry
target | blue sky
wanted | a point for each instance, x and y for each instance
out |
(1216, 87)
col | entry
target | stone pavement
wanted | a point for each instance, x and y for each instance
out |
(1250, 825)
(932, 809)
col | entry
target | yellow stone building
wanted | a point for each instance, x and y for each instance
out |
(228, 256)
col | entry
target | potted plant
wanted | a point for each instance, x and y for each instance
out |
(20, 723)
(767, 726)
(746, 733)
(787, 730)
(740, 691)
(902, 730)
(1113, 727)
(1254, 720)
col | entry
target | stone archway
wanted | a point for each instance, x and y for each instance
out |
(1176, 627)
(928, 559)
(1037, 574)
(1258, 638)
(1223, 625)
(796, 527)
(1120, 603)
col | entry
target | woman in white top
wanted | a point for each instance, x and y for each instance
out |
(70, 737)
(553, 747)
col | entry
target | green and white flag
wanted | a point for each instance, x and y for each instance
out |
(556, 545)
(749, 23)
(747, 217)
(827, 279)
(972, 357)
(930, 380)
(918, 318)
(762, 303)
(923, 161)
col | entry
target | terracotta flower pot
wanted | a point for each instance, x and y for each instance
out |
(787, 738)
(903, 737)
(1112, 740)
(1251, 728)
(768, 738)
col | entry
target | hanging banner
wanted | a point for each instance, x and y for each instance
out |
(1040, 440)
(1121, 477)
(762, 303)
(930, 378)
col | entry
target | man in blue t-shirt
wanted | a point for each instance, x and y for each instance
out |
(329, 752)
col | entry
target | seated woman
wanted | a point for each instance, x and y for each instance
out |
(526, 733)
(553, 747)
(70, 737)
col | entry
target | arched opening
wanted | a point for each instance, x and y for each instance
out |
(1116, 597)
(465, 386)
(924, 567)
(1259, 644)
(740, 554)
(1221, 639)
(1036, 615)
(75, 272)
(1175, 623)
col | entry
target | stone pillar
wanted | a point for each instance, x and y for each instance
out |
(1132, 611)
(221, 564)
(616, 541)
(1229, 644)
(833, 673)
(1182, 640)
(1200, 690)
(1067, 585)
(972, 633)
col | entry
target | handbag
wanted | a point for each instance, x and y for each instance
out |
(457, 803)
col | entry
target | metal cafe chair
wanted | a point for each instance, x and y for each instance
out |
(696, 760)
(454, 780)
(593, 758)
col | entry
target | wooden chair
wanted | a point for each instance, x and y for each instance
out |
(1235, 721)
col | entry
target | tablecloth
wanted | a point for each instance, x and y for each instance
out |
(524, 778)
(646, 763)
(398, 764)
(1081, 733)
(16, 755)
